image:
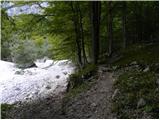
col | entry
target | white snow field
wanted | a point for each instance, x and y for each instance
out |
(48, 78)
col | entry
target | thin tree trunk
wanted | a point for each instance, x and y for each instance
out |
(75, 22)
(124, 7)
(82, 35)
(95, 19)
(110, 29)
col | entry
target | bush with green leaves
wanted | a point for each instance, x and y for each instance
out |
(25, 52)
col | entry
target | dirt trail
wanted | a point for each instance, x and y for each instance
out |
(95, 103)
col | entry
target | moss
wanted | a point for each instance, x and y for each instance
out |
(4, 109)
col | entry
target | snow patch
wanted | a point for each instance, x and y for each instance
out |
(48, 78)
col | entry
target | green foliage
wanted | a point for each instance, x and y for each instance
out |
(25, 52)
(4, 109)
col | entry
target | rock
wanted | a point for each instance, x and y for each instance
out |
(115, 93)
(146, 69)
(26, 65)
(114, 79)
(141, 103)
(17, 89)
(57, 76)
(157, 81)
(114, 67)
(65, 73)
(157, 90)
(21, 72)
(48, 87)
(137, 66)
(93, 105)
(133, 63)
(131, 77)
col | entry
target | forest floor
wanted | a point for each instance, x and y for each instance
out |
(95, 102)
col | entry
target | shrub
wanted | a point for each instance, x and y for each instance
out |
(25, 52)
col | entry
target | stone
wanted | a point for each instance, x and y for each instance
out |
(65, 73)
(157, 81)
(146, 69)
(133, 63)
(48, 87)
(17, 89)
(114, 79)
(156, 90)
(116, 92)
(93, 105)
(21, 72)
(114, 67)
(141, 103)
(131, 77)
(57, 76)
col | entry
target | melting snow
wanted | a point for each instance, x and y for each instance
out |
(48, 78)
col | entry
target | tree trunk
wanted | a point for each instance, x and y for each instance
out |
(110, 29)
(82, 35)
(124, 7)
(95, 20)
(78, 42)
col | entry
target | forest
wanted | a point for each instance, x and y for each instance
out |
(79, 59)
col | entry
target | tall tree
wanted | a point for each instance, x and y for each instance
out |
(124, 10)
(110, 28)
(77, 33)
(95, 20)
(82, 35)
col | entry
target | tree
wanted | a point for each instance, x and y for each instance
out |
(110, 29)
(95, 20)
(124, 10)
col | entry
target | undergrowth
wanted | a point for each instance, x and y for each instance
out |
(142, 54)
(135, 84)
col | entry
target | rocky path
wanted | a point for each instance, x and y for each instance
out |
(95, 103)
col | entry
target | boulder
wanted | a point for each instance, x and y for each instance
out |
(116, 92)
(141, 103)
(146, 69)
(157, 81)
(133, 63)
